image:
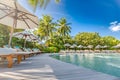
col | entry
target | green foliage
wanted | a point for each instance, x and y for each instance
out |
(54, 33)
(17, 42)
(110, 40)
(64, 28)
(38, 46)
(86, 38)
(20, 43)
(4, 34)
(41, 3)
(51, 50)
(46, 27)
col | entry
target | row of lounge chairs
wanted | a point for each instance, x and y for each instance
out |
(90, 51)
(12, 55)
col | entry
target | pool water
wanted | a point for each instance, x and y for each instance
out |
(106, 63)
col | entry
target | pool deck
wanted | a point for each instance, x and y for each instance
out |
(43, 67)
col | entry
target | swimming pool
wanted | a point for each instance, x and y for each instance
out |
(106, 63)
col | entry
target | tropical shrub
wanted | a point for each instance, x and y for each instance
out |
(51, 50)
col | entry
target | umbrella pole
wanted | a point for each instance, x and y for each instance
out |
(12, 31)
(14, 25)
(25, 41)
(10, 39)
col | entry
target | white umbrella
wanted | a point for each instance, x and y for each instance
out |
(80, 46)
(67, 45)
(117, 46)
(73, 46)
(26, 35)
(105, 46)
(84, 47)
(33, 39)
(90, 46)
(14, 15)
(98, 47)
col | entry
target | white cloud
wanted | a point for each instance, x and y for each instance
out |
(114, 26)
(113, 23)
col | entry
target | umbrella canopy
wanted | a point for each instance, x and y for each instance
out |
(14, 15)
(90, 46)
(73, 46)
(117, 46)
(98, 47)
(67, 45)
(33, 39)
(105, 46)
(10, 10)
(26, 35)
(80, 46)
(84, 47)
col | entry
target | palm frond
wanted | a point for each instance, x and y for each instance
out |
(42, 3)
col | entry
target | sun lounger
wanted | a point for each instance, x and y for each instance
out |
(10, 54)
(36, 51)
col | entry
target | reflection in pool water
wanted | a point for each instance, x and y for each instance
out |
(106, 63)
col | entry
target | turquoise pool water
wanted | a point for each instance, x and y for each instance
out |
(106, 63)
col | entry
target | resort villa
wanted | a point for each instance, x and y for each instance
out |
(59, 40)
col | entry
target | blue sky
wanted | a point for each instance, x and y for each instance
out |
(101, 16)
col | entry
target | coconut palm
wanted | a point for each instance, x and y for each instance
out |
(41, 3)
(64, 28)
(46, 27)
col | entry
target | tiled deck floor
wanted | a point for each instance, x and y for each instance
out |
(43, 67)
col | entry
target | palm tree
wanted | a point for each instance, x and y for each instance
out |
(64, 28)
(46, 27)
(42, 3)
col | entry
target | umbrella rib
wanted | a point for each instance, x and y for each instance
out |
(22, 14)
(17, 10)
(26, 13)
(5, 5)
(23, 37)
(4, 9)
(6, 15)
(25, 22)
(30, 19)
(30, 37)
(17, 34)
(33, 38)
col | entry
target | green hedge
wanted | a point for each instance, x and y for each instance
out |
(51, 50)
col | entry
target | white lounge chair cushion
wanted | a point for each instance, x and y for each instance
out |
(7, 51)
